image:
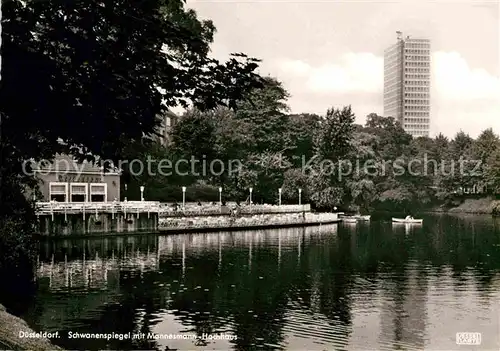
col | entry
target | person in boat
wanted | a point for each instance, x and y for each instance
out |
(409, 218)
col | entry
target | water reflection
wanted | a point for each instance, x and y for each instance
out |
(369, 286)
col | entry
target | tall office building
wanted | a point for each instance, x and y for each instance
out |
(407, 79)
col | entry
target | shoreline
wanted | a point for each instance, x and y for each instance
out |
(102, 225)
(10, 328)
(481, 206)
(180, 231)
(452, 212)
(165, 231)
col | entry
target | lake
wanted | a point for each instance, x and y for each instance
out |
(373, 285)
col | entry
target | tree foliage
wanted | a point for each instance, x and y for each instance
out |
(91, 77)
(96, 74)
(379, 164)
(333, 141)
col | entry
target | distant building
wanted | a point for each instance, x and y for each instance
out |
(407, 81)
(168, 121)
(65, 180)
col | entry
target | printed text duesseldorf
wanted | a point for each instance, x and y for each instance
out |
(128, 336)
(33, 335)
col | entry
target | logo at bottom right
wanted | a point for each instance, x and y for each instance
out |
(467, 338)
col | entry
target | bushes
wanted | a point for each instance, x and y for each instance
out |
(16, 260)
(173, 193)
(17, 247)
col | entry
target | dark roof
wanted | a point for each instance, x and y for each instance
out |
(65, 163)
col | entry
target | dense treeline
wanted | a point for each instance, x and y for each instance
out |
(332, 159)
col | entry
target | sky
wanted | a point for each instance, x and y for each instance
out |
(330, 53)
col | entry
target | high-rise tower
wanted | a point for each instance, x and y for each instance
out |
(407, 79)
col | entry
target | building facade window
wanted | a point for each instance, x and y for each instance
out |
(98, 192)
(79, 192)
(58, 191)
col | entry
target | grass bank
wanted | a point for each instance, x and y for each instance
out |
(10, 328)
(487, 205)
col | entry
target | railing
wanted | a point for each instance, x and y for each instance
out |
(192, 210)
(51, 208)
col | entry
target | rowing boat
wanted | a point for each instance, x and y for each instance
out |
(407, 221)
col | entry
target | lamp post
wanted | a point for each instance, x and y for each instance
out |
(279, 197)
(250, 189)
(300, 196)
(183, 196)
(142, 193)
(220, 196)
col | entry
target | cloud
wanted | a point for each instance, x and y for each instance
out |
(462, 97)
(465, 99)
(355, 72)
(455, 80)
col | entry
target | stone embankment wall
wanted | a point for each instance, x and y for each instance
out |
(190, 218)
(245, 221)
(62, 225)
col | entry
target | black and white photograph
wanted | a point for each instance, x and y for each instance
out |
(242, 175)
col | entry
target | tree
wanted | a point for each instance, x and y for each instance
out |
(263, 110)
(96, 74)
(362, 193)
(253, 136)
(461, 145)
(327, 197)
(399, 197)
(485, 145)
(333, 143)
(336, 131)
(461, 149)
(265, 173)
(484, 150)
(300, 134)
(295, 179)
(194, 135)
(392, 141)
(492, 172)
(425, 168)
(441, 147)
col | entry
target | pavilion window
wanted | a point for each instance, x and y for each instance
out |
(58, 191)
(98, 192)
(79, 192)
